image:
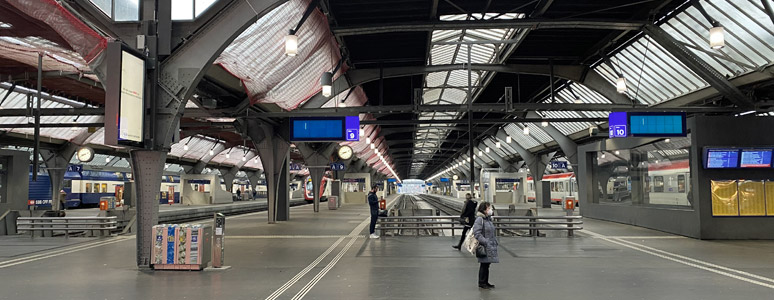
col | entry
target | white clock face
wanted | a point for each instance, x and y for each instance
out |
(85, 154)
(345, 152)
(455, 177)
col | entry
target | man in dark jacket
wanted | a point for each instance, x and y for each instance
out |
(373, 203)
(467, 217)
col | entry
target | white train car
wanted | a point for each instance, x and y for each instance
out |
(562, 184)
(669, 183)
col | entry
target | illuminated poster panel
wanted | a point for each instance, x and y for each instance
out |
(124, 96)
(132, 105)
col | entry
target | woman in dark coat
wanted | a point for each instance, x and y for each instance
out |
(467, 217)
(484, 232)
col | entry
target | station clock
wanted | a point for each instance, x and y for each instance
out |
(345, 152)
(85, 154)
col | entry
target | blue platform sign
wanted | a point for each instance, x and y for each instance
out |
(617, 123)
(337, 167)
(296, 167)
(392, 180)
(429, 184)
(352, 128)
(558, 165)
(75, 168)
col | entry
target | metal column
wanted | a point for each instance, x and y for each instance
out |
(147, 169)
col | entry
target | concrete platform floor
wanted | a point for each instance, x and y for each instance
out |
(325, 255)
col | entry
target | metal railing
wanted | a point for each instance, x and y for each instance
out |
(531, 223)
(101, 225)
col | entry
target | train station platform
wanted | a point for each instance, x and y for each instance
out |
(178, 212)
(327, 255)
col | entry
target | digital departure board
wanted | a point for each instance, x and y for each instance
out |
(657, 124)
(325, 129)
(722, 158)
(756, 158)
(646, 124)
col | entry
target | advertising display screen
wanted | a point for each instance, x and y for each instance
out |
(722, 158)
(132, 105)
(756, 158)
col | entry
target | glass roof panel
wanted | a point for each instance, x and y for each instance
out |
(449, 86)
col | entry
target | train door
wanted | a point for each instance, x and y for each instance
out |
(658, 184)
(681, 183)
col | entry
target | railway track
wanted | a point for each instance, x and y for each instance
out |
(445, 208)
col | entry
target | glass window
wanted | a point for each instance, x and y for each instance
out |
(88, 188)
(127, 10)
(182, 10)
(106, 6)
(652, 174)
(104, 188)
(203, 5)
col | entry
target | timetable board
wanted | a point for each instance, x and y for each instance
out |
(722, 158)
(756, 158)
(732, 158)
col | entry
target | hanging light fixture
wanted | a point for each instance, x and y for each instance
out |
(667, 140)
(212, 152)
(291, 43)
(544, 124)
(480, 153)
(603, 155)
(497, 144)
(620, 84)
(185, 147)
(508, 139)
(107, 159)
(373, 146)
(362, 132)
(244, 158)
(526, 130)
(617, 152)
(326, 80)
(487, 149)
(717, 37)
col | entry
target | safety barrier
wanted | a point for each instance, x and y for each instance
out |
(47, 225)
(531, 223)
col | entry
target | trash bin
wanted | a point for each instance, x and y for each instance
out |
(333, 202)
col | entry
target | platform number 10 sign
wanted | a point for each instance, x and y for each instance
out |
(618, 131)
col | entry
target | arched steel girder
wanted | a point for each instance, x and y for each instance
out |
(568, 146)
(576, 73)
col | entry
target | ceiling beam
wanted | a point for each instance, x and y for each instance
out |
(576, 73)
(488, 121)
(518, 108)
(534, 24)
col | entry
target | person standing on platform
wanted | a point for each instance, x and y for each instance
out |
(373, 203)
(467, 217)
(484, 232)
